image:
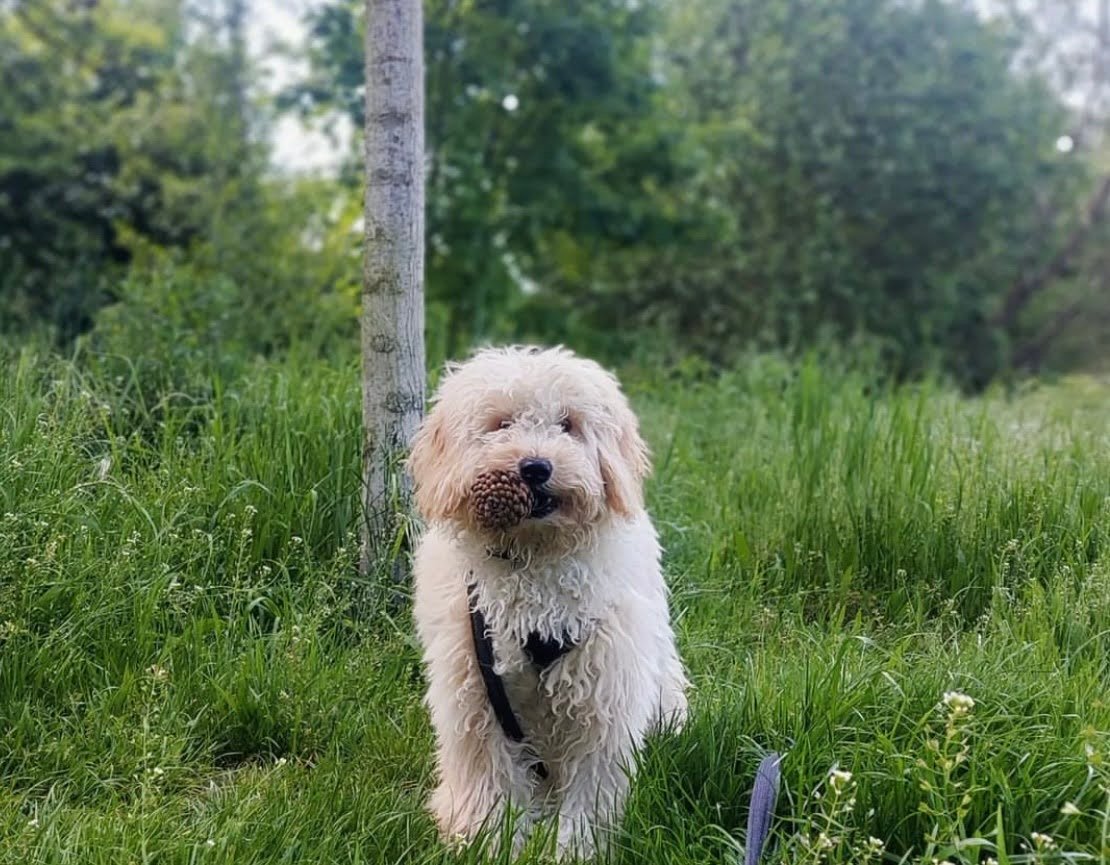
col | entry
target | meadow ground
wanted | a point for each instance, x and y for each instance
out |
(192, 671)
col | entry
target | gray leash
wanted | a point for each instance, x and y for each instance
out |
(765, 792)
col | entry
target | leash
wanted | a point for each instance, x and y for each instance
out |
(765, 793)
(541, 651)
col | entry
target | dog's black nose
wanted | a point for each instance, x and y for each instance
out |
(535, 471)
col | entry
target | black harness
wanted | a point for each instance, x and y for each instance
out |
(541, 651)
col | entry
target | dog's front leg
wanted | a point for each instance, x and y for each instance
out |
(605, 701)
(593, 797)
(480, 772)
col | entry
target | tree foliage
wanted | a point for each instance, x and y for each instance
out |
(528, 103)
(117, 126)
(729, 174)
(630, 176)
(873, 168)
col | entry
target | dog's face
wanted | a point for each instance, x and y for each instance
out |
(557, 420)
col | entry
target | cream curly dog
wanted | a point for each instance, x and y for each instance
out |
(568, 603)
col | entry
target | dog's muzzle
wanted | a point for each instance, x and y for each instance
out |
(543, 504)
(536, 472)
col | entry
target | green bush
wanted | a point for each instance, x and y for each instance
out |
(282, 279)
(138, 136)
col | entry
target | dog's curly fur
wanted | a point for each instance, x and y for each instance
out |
(590, 569)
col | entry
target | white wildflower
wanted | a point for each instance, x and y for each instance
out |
(958, 703)
(839, 779)
(1042, 841)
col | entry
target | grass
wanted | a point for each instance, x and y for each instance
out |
(192, 671)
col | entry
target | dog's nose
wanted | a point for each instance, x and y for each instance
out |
(535, 471)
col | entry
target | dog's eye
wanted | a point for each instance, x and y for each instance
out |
(505, 423)
(567, 425)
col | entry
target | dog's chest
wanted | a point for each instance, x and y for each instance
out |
(529, 609)
(537, 619)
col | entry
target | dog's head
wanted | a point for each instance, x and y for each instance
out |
(558, 421)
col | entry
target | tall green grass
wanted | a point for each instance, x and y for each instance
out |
(192, 670)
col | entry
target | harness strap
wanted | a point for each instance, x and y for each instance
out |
(542, 652)
(545, 651)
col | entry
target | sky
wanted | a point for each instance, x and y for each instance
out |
(297, 148)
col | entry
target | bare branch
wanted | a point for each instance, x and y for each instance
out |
(1026, 287)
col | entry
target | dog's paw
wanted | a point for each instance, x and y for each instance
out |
(577, 840)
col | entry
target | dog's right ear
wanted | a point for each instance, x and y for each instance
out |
(625, 462)
(432, 469)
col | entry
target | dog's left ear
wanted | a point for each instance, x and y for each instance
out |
(433, 469)
(625, 462)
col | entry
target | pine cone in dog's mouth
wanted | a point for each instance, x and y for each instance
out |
(500, 500)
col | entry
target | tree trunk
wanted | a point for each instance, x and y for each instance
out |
(393, 276)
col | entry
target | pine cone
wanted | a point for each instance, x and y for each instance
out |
(499, 500)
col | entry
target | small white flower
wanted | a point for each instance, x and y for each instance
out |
(297, 540)
(1070, 809)
(875, 845)
(33, 823)
(958, 703)
(839, 779)
(209, 843)
(158, 770)
(1042, 841)
(510, 103)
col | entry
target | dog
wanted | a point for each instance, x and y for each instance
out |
(547, 644)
